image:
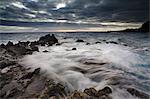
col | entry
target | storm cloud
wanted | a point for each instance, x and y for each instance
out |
(73, 10)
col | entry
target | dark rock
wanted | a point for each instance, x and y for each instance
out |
(91, 92)
(112, 42)
(87, 43)
(37, 71)
(97, 42)
(56, 90)
(6, 63)
(105, 91)
(74, 49)
(9, 44)
(45, 51)
(58, 44)
(79, 40)
(48, 40)
(137, 93)
(31, 74)
(94, 63)
(2, 46)
(78, 69)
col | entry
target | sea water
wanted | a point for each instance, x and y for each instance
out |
(126, 64)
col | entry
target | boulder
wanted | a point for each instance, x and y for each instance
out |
(47, 40)
(137, 93)
(91, 92)
(45, 51)
(79, 40)
(105, 91)
(74, 49)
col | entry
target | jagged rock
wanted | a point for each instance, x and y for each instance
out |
(2, 46)
(9, 44)
(97, 42)
(45, 51)
(31, 74)
(94, 63)
(6, 63)
(79, 40)
(91, 92)
(112, 42)
(58, 44)
(87, 43)
(74, 49)
(137, 93)
(104, 91)
(78, 95)
(48, 40)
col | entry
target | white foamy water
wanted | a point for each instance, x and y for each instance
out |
(94, 65)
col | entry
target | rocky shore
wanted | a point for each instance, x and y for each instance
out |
(18, 82)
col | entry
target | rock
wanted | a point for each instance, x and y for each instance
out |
(78, 95)
(112, 42)
(94, 63)
(104, 91)
(137, 93)
(45, 51)
(79, 40)
(6, 63)
(97, 42)
(2, 46)
(55, 90)
(9, 44)
(87, 43)
(91, 92)
(31, 74)
(47, 40)
(74, 49)
(34, 89)
(58, 44)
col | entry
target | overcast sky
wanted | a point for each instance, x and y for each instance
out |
(76, 11)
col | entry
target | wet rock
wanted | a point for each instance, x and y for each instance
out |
(78, 95)
(78, 69)
(79, 40)
(74, 49)
(2, 45)
(58, 44)
(137, 93)
(31, 74)
(45, 51)
(56, 90)
(87, 43)
(9, 44)
(104, 91)
(48, 40)
(34, 89)
(91, 92)
(94, 63)
(97, 42)
(6, 63)
(112, 42)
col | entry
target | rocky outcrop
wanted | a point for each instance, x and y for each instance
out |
(47, 40)
(144, 28)
(79, 40)
(137, 93)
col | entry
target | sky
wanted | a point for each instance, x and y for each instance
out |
(78, 13)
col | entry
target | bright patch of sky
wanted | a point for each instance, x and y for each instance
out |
(19, 5)
(60, 5)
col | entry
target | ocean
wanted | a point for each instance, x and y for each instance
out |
(95, 62)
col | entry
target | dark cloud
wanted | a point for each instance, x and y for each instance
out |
(102, 10)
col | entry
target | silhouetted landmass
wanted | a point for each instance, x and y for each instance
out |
(143, 28)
